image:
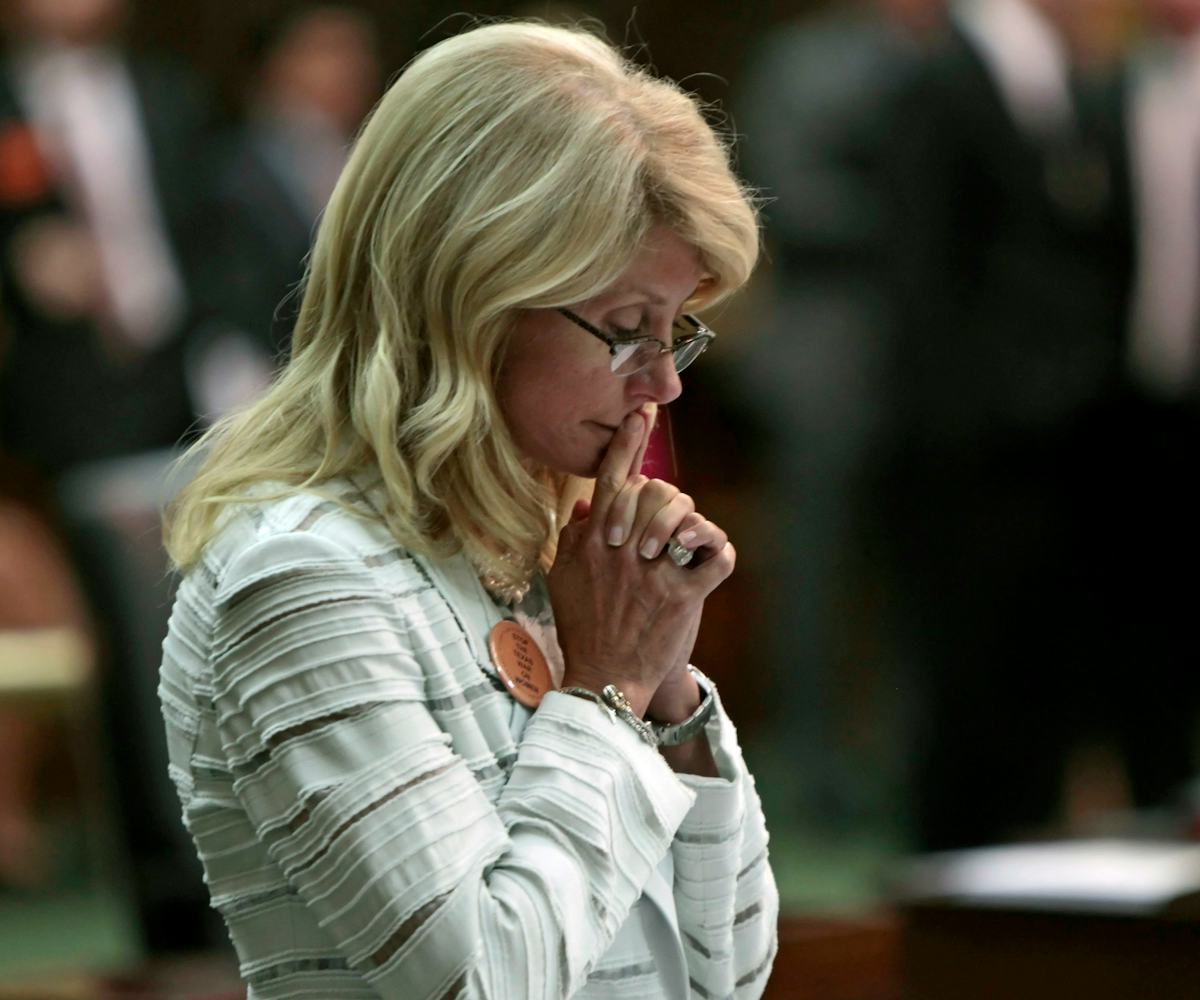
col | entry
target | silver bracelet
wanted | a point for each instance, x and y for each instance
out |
(672, 735)
(613, 700)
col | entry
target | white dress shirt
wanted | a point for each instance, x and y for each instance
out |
(1164, 114)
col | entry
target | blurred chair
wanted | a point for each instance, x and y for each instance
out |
(46, 659)
(47, 675)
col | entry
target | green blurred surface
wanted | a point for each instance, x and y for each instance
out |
(65, 931)
(832, 857)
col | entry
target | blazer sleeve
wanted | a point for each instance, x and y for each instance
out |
(426, 887)
(725, 892)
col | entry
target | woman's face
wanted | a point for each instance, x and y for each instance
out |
(561, 401)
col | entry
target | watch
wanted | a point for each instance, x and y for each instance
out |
(672, 735)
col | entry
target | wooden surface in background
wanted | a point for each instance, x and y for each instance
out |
(837, 959)
(951, 952)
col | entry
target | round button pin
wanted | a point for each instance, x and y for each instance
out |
(520, 663)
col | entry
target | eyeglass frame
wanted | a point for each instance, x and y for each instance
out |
(703, 334)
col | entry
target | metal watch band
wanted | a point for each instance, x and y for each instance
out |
(673, 735)
(613, 701)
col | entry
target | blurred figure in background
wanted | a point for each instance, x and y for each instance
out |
(101, 181)
(1155, 716)
(316, 75)
(1012, 264)
(1165, 138)
(816, 110)
(98, 188)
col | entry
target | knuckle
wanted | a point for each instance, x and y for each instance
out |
(661, 489)
(610, 483)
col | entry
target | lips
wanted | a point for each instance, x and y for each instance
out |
(613, 427)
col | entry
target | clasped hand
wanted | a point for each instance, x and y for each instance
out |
(624, 615)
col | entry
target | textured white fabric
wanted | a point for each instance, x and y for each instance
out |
(376, 817)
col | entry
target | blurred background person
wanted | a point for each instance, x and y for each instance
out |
(816, 109)
(1154, 712)
(1013, 262)
(100, 187)
(1165, 143)
(315, 75)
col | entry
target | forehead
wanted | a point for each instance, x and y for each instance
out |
(665, 271)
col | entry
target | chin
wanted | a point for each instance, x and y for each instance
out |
(584, 466)
(582, 469)
(569, 457)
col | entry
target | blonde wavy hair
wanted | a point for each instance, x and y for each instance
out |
(514, 166)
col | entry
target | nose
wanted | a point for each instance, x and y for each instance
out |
(658, 382)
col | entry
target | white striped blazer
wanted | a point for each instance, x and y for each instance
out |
(376, 817)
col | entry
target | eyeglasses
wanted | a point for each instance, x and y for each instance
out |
(630, 355)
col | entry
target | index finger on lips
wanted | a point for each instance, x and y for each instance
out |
(649, 416)
(617, 465)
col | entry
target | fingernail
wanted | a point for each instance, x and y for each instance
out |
(616, 536)
(686, 537)
(650, 549)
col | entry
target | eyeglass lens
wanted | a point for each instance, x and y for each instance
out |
(628, 359)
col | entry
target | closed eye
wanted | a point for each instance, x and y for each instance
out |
(620, 333)
(683, 327)
(680, 329)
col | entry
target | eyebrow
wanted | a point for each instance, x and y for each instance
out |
(651, 296)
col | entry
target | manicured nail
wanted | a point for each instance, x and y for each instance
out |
(650, 549)
(616, 536)
(686, 537)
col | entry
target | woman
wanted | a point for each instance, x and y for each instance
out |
(387, 795)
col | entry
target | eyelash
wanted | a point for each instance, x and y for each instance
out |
(620, 333)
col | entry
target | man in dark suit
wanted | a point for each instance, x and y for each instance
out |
(95, 271)
(1013, 261)
(1161, 701)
